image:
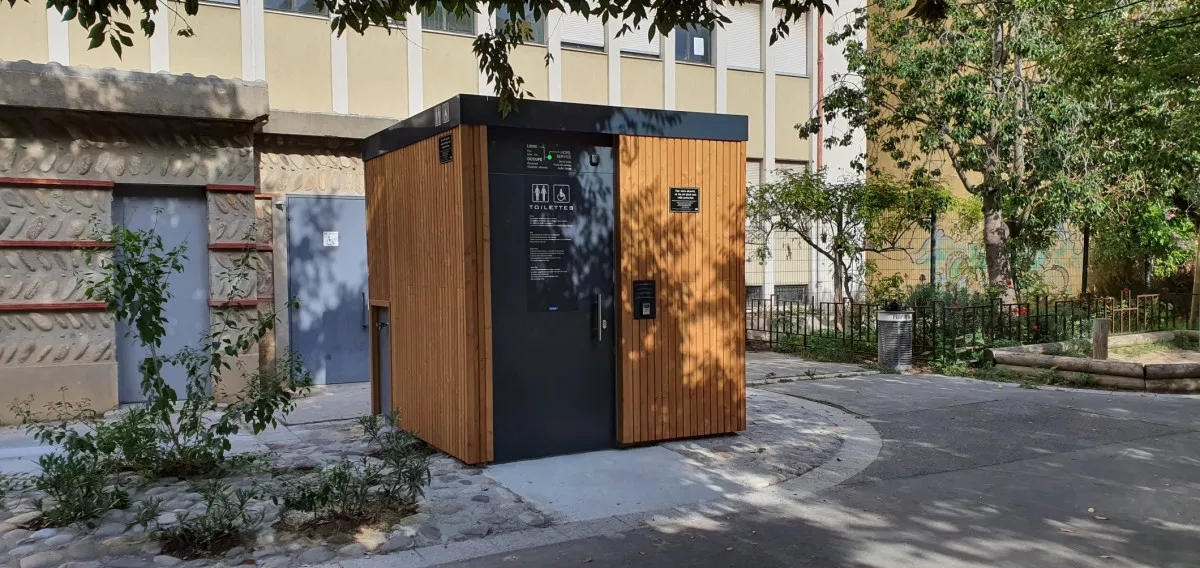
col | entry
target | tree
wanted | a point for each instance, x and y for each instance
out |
(109, 20)
(842, 220)
(955, 93)
(1136, 64)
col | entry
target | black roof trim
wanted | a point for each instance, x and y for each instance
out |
(565, 117)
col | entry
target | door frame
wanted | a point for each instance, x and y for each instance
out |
(376, 350)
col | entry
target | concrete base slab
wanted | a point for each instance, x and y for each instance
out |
(609, 483)
(332, 402)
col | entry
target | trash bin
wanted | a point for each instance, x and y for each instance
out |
(894, 337)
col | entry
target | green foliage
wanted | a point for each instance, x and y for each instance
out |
(370, 487)
(77, 488)
(887, 291)
(230, 515)
(961, 99)
(1135, 63)
(105, 19)
(826, 348)
(171, 434)
(842, 220)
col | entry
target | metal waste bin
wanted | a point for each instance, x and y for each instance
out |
(894, 337)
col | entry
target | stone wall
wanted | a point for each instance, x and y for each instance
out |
(57, 174)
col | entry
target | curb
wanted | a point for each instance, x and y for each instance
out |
(860, 446)
(795, 378)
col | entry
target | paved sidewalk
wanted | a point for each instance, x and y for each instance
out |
(970, 474)
(766, 367)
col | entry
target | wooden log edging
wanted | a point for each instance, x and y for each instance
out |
(1089, 366)
(1029, 360)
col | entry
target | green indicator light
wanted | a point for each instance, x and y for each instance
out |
(549, 157)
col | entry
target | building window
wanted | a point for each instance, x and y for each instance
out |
(223, 2)
(581, 32)
(693, 44)
(791, 292)
(539, 25)
(743, 36)
(791, 52)
(299, 6)
(442, 20)
(754, 293)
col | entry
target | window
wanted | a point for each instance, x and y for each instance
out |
(578, 31)
(693, 44)
(743, 36)
(792, 292)
(637, 40)
(539, 25)
(301, 6)
(223, 2)
(754, 293)
(753, 173)
(440, 19)
(791, 52)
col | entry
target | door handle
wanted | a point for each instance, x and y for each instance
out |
(365, 309)
(600, 323)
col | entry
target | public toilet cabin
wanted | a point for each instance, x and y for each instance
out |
(564, 279)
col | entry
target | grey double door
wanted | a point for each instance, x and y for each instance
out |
(327, 274)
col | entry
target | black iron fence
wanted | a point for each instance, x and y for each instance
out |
(951, 330)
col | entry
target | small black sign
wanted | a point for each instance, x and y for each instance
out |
(550, 222)
(685, 200)
(446, 148)
(644, 304)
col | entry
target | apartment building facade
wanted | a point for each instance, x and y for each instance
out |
(244, 138)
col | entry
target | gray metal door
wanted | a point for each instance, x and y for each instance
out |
(384, 345)
(327, 273)
(178, 215)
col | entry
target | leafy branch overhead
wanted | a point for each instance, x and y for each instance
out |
(107, 19)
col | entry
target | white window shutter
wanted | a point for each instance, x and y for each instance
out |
(791, 52)
(742, 36)
(576, 29)
(635, 41)
(753, 172)
(793, 167)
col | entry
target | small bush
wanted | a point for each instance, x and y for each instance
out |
(77, 488)
(369, 488)
(230, 517)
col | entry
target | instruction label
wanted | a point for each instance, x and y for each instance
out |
(539, 157)
(550, 222)
(685, 200)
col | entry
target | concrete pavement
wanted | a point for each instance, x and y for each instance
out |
(970, 473)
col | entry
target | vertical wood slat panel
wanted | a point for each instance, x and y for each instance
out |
(683, 374)
(427, 236)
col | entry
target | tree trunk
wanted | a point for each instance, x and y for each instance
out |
(838, 277)
(995, 248)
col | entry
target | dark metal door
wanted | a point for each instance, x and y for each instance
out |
(179, 216)
(327, 274)
(554, 386)
(383, 343)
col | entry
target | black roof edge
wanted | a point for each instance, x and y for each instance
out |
(559, 116)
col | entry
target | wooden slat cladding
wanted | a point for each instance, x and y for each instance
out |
(682, 374)
(427, 254)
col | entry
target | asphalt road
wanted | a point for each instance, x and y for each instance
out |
(970, 474)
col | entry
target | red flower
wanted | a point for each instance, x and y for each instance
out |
(1034, 328)
(1008, 282)
(1125, 289)
(1015, 310)
(1024, 310)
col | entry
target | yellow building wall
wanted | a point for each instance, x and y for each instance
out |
(216, 47)
(793, 259)
(299, 66)
(641, 83)
(529, 62)
(584, 77)
(793, 105)
(695, 88)
(449, 67)
(377, 72)
(23, 32)
(745, 97)
(136, 58)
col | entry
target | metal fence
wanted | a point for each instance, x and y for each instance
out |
(942, 330)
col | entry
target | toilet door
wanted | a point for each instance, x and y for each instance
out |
(552, 265)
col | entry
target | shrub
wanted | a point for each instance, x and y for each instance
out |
(369, 488)
(77, 488)
(229, 517)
